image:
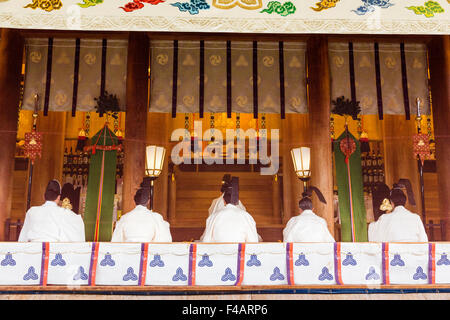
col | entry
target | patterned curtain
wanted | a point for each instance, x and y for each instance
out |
(68, 74)
(205, 71)
(402, 76)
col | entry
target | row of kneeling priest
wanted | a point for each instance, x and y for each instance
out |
(223, 264)
(228, 221)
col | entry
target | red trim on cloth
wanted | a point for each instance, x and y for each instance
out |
(144, 259)
(44, 264)
(93, 267)
(241, 264)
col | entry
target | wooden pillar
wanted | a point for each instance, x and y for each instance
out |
(158, 134)
(276, 205)
(171, 216)
(11, 53)
(439, 62)
(49, 166)
(136, 117)
(294, 134)
(398, 154)
(319, 124)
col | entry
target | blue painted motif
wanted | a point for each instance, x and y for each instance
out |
(30, 275)
(397, 261)
(228, 276)
(58, 261)
(107, 261)
(325, 275)
(276, 275)
(130, 275)
(156, 262)
(349, 260)
(369, 6)
(419, 274)
(372, 275)
(81, 275)
(205, 262)
(179, 276)
(253, 261)
(443, 260)
(192, 7)
(8, 261)
(301, 261)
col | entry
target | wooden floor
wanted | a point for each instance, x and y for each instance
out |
(334, 292)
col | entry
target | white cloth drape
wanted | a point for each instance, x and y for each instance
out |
(62, 72)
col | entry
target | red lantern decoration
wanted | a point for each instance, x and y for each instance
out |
(421, 146)
(33, 145)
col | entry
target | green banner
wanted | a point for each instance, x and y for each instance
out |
(350, 186)
(98, 215)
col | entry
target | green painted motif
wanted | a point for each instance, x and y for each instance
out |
(284, 9)
(89, 3)
(430, 8)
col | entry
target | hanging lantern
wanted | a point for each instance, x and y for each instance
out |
(154, 161)
(301, 157)
(81, 140)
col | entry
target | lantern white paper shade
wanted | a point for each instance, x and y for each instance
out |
(154, 160)
(301, 157)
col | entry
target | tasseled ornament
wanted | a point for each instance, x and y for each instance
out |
(364, 141)
(81, 140)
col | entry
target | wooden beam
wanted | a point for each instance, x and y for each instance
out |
(319, 124)
(11, 54)
(49, 166)
(136, 119)
(294, 134)
(439, 63)
(399, 161)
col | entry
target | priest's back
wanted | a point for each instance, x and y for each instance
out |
(230, 224)
(307, 227)
(142, 225)
(51, 223)
(400, 225)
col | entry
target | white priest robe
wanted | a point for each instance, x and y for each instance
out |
(230, 224)
(307, 227)
(400, 225)
(141, 225)
(219, 204)
(51, 223)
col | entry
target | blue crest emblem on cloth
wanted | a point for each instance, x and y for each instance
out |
(156, 262)
(369, 6)
(179, 276)
(372, 275)
(349, 260)
(276, 275)
(130, 275)
(325, 275)
(205, 262)
(80, 275)
(107, 261)
(397, 261)
(228, 276)
(301, 261)
(58, 261)
(8, 261)
(192, 7)
(253, 261)
(419, 274)
(30, 275)
(443, 260)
